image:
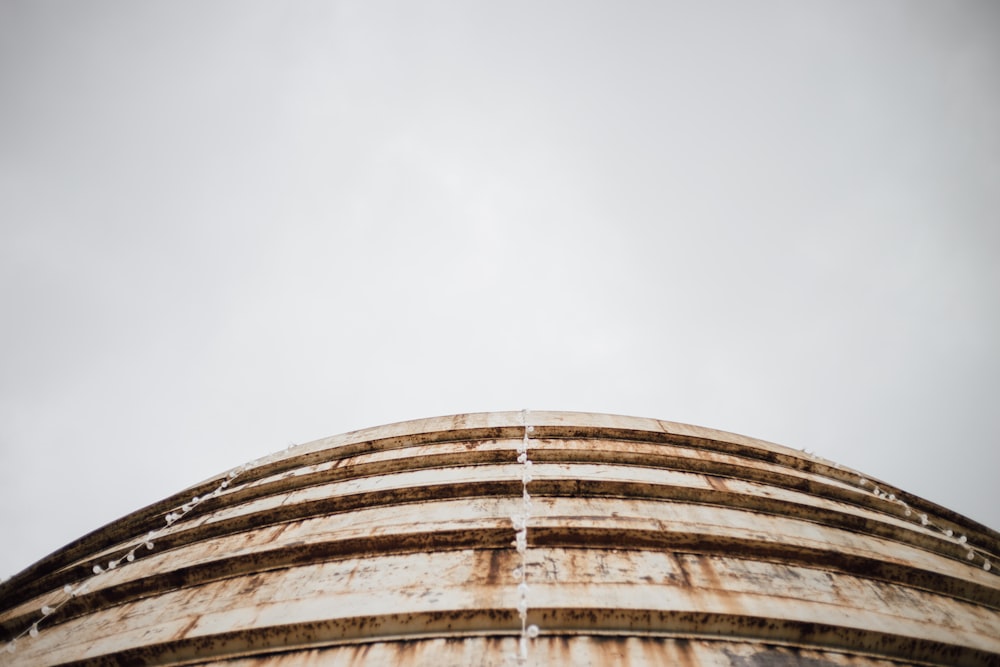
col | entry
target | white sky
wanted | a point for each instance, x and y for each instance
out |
(229, 226)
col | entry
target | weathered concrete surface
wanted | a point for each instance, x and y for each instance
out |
(578, 651)
(650, 543)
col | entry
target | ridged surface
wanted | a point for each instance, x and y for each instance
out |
(650, 543)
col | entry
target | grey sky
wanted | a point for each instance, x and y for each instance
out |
(228, 226)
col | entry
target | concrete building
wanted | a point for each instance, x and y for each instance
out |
(537, 538)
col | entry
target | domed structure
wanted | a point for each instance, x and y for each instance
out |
(540, 538)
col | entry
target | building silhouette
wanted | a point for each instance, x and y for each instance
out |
(542, 538)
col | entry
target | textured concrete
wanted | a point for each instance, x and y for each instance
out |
(650, 543)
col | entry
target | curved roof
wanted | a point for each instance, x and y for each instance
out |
(641, 541)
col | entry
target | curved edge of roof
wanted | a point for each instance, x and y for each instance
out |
(595, 421)
(500, 424)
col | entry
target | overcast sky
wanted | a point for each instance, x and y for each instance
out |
(226, 227)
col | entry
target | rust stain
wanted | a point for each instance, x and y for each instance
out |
(494, 573)
(923, 605)
(717, 483)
